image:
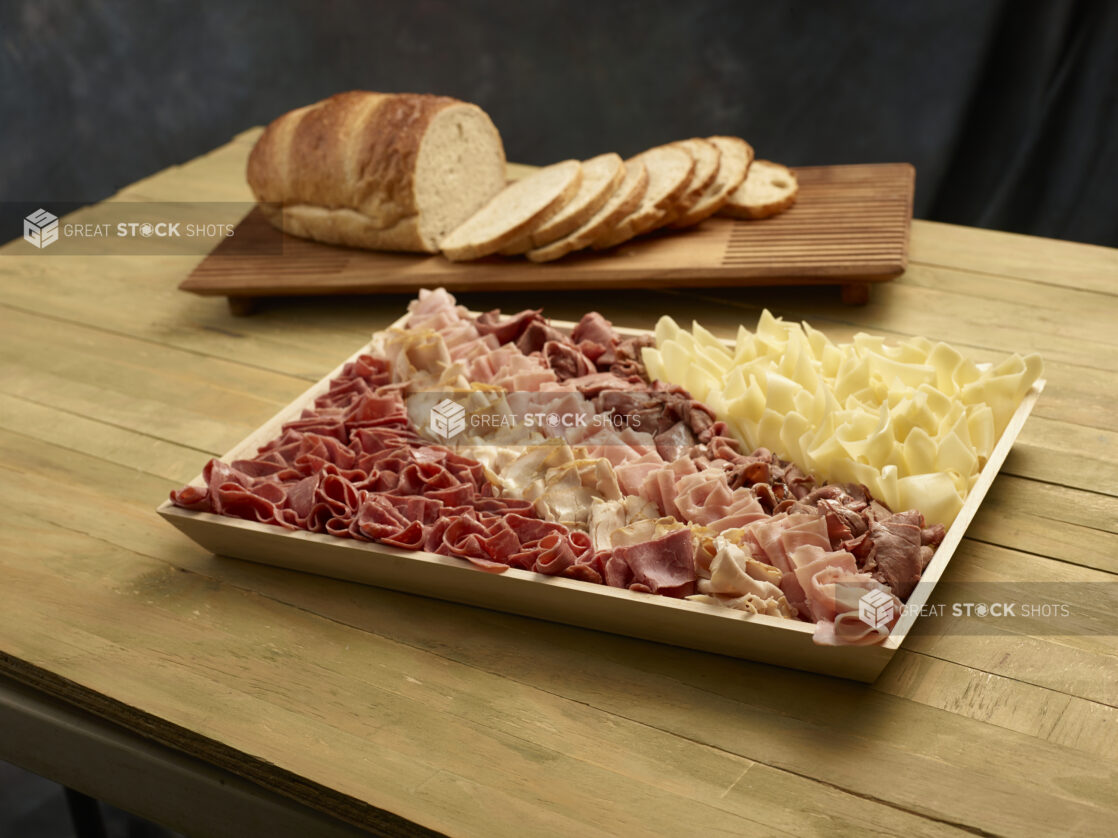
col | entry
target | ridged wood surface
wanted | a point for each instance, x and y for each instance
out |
(849, 225)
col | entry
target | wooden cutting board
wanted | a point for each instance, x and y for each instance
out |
(849, 227)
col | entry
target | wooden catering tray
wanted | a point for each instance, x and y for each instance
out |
(849, 227)
(679, 622)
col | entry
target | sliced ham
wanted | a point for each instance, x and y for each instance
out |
(665, 565)
(566, 361)
(507, 329)
(898, 558)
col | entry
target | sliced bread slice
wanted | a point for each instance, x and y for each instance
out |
(601, 176)
(769, 188)
(669, 171)
(708, 159)
(624, 200)
(513, 211)
(737, 154)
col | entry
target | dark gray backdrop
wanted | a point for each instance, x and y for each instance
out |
(1008, 108)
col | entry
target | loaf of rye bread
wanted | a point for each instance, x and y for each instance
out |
(376, 170)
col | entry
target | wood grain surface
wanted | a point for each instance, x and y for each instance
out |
(388, 710)
(850, 226)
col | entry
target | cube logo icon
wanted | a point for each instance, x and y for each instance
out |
(447, 419)
(875, 609)
(40, 228)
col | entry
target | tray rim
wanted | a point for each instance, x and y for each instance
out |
(183, 519)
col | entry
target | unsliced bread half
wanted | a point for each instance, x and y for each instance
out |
(601, 176)
(386, 171)
(769, 188)
(669, 171)
(737, 155)
(708, 159)
(626, 198)
(515, 210)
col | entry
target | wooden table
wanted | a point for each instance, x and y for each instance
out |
(404, 714)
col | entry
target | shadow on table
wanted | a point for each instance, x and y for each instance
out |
(34, 807)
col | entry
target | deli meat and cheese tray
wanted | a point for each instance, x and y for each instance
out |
(778, 497)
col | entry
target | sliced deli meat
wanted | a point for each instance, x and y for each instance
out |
(647, 487)
(514, 211)
(601, 176)
(663, 565)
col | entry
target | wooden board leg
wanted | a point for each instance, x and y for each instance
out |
(85, 815)
(244, 306)
(856, 293)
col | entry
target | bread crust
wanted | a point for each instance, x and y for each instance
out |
(698, 183)
(642, 221)
(718, 194)
(585, 235)
(345, 168)
(735, 208)
(566, 221)
(342, 226)
(487, 247)
(546, 234)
